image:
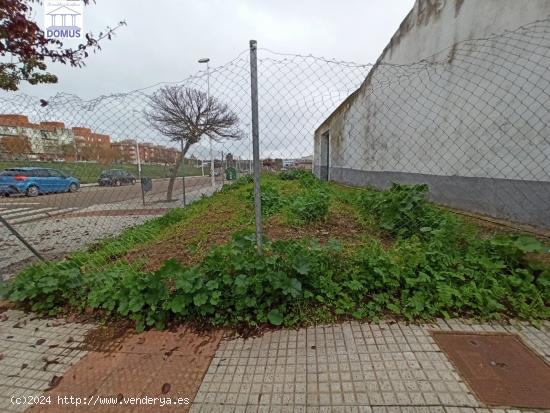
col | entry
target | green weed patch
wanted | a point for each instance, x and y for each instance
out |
(437, 266)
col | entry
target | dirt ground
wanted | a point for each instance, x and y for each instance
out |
(190, 241)
(341, 225)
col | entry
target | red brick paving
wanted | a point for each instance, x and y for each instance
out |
(154, 364)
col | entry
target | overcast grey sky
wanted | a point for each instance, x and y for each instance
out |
(164, 39)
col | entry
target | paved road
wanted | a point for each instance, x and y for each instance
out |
(21, 209)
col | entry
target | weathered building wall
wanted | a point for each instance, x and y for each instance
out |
(468, 117)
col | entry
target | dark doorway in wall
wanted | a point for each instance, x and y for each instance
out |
(325, 146)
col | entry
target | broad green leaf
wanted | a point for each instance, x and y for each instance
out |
(200, 299)
(275, 317)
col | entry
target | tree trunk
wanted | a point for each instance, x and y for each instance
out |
(174, 174)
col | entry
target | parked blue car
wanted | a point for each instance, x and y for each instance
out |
(36, 181)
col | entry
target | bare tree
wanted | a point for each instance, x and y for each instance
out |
(186, 115)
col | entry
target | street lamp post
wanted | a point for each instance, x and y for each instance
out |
(207, 60)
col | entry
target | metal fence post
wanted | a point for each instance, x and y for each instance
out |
(255, 141)
(183, 173)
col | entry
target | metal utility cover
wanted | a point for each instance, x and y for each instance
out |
(500, 369)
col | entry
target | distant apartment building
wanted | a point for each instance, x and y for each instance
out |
(165, 155)
(21, 138)
(125, 150)
(90, 146)
(147, 152)
(305, 162)
(159, 154)
(289, 163)
(300, 163)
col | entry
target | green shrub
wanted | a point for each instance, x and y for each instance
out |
(271, 199)
(310, 206)
(245, 179)
(125, 292)
(47, 288)
(291, 280)
(250, 288)
(239, 183)
(292, 174)
(287, 175)
(403, 210)
(419, 279)
(307, 180)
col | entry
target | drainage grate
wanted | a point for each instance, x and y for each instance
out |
(500, 369)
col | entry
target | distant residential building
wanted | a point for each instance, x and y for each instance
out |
(163, 154)
(146, 152)
(91, 146)
(13, 147)
(305, 162)
(158, 154)
(21, 138)
(289, 163)
(125, 150)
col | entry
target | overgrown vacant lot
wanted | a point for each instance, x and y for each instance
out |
(330, 252)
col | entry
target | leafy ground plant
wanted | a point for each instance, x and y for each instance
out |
(403, 210)
(293, 174)
(234, 285)
(311, 205)
(271, 200)
(436, 266)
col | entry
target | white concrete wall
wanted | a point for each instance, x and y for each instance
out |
(476, 109)
(460, 91)
(435, 25)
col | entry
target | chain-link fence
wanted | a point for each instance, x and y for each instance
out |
(471, 122)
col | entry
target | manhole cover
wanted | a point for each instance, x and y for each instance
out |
(500, 369)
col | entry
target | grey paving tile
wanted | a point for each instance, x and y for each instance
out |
(352, 366)
(22, 365)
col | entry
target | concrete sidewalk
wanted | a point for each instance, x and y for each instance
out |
(33, 352)
(346, 367)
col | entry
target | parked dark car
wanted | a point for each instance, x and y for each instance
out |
(116, 177)
(36, 181)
